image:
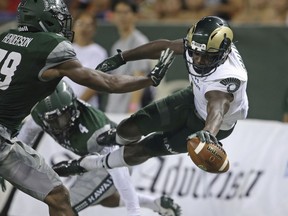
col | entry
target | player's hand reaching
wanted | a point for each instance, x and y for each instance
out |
(112, 62)
(160, 69)
(204, 136)
(69, 167)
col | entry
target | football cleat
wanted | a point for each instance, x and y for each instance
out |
(67, 168)
(167, 206)
(108, 138)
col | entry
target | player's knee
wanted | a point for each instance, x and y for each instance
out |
(154, 145)
(58, 198)
(128, 129)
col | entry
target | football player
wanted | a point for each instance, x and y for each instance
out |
(75, 125)
(33, 59)
(209, 108)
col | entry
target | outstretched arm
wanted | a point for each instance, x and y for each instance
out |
(100, 81)
(218, 105)
(153, 49)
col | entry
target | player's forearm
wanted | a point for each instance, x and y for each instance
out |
(215, 115)
(213, 122)
(217, 106)
(125, 83)
(29, 132)
(151, 50)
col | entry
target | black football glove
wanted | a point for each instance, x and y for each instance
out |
(3, 184)
(160, 69)
(112, 62)
(205, 136)
(69, 167)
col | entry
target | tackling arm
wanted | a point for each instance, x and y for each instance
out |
(100, 81)
(97, 80)
(153, 49)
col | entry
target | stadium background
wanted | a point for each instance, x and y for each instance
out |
(263, 49)
(258, 146)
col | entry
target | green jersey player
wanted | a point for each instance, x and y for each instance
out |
(75, 125)
(33, 59)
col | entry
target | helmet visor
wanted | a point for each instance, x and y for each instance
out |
(67, 26)
(203, 58)
(204, 63)
(65, 21)
(58, 121)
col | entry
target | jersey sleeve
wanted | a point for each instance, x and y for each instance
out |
(229, 85)
(64, 51)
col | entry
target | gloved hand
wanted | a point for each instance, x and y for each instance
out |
(69, 167)
(112, 62)
(160, 69)
(204, 136)
(3, 184)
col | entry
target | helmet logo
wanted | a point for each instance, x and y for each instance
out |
(198, 46)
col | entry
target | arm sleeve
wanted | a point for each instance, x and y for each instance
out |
(123, 182)
(29, 131)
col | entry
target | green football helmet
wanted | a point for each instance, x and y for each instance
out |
(57, 112)
(210, 39)
(45, 16)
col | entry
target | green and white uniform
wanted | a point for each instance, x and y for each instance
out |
(24, 56)
(91, 187)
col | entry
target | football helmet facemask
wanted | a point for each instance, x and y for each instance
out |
(209, 40)
(45, 16)
(57, 112)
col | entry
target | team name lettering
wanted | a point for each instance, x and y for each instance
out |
(17, 40)
(168, 147)
(102, 188)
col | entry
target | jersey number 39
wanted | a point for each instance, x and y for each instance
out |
(8, 64)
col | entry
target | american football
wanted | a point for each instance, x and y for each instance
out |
(209, 157)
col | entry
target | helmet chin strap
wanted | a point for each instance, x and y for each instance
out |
(42, 26)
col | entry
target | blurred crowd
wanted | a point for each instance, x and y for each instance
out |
(177, 11)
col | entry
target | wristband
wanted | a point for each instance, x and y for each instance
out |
(120, 53)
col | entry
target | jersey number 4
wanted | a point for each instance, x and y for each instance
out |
(8, 64)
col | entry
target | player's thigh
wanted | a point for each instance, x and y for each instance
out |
(165, 114)
(27, 170)
(177, 138)
(91, 188)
